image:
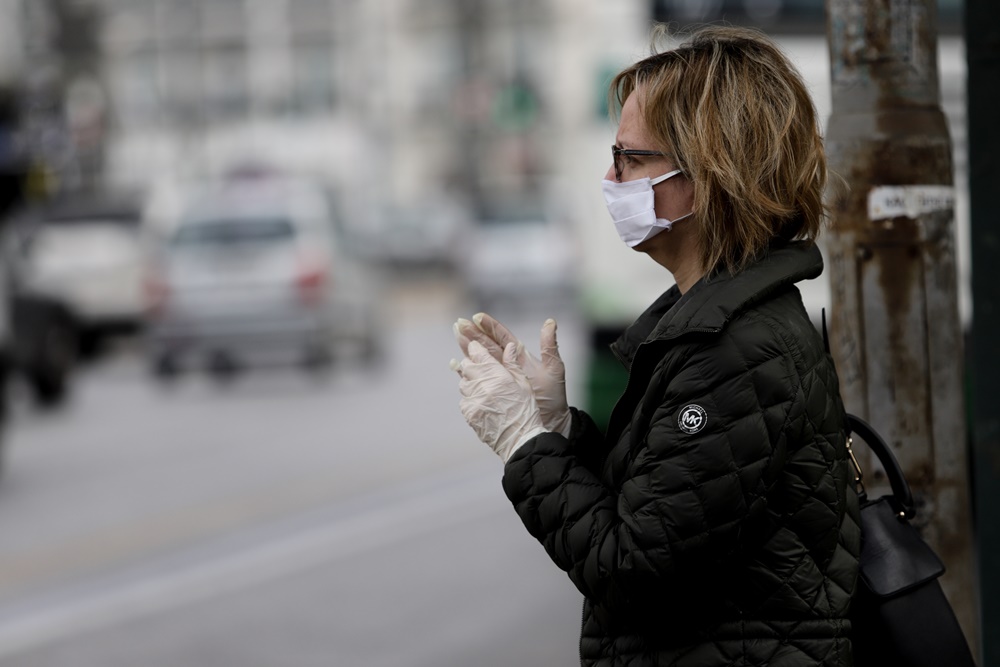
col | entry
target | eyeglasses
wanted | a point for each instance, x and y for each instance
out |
(617, 153)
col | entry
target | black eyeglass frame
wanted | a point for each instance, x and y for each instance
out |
(616, 154)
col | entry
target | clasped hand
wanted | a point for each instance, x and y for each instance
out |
(497, 400)
(508, 395)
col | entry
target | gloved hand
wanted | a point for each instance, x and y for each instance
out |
(546, 376)
(497, 400)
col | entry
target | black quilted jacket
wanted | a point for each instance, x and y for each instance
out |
(715, 524)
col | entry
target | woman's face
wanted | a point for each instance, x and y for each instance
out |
(679, 249)
(674, 197)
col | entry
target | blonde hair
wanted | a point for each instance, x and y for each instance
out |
(737, 119)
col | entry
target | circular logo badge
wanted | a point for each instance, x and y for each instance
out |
(692, 418)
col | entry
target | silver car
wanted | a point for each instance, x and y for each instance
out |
(515, 257)
(256, 273)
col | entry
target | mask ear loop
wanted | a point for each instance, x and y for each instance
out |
(660, 179)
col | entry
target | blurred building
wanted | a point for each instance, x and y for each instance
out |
(394, 100)
(199, 87)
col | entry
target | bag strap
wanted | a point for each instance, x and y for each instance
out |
(897, 480)
(826, 336)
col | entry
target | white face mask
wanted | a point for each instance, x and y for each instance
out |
(632, 207)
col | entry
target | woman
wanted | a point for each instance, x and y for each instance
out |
(715, 523)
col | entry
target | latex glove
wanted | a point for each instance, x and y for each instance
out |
(547, 375)
(497, 400)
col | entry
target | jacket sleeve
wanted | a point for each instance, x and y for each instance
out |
(586, 440)
(685, 497)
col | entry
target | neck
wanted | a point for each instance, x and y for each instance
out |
(687, 276)
(680, 257)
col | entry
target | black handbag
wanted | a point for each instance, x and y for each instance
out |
(899, 615)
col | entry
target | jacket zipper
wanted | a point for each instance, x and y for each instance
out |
(628, 381)
(614, 351)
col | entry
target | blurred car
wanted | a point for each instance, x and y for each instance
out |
(414, 236)
(255, 273)
(73, 265)
(516, 256)
(81, 258)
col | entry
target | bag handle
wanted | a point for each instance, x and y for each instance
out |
(897, 480)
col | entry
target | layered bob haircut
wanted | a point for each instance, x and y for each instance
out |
(736, 118)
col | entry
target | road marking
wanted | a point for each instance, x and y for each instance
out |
(144, 536)
(432, 504)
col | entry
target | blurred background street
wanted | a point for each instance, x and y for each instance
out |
(348, 518)
(234, 236)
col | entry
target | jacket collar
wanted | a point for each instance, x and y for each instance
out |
(713, 300)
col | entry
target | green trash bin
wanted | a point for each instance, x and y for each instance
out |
(606, 376)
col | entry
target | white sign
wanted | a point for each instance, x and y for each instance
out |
(893, 201)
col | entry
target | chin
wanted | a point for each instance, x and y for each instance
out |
(651, 245)
(659, 250)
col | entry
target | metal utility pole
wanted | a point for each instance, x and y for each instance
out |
(895, 330)
(982, 43)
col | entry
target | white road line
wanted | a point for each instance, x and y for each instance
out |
(441, 507)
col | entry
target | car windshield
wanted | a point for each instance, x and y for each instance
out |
(501, 216)
(221, 233)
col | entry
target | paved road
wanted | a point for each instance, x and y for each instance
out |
(282, 520)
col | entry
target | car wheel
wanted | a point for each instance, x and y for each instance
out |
(373, 351)
(165, 367)
(88, 344)
(318, 358)
(372, 341)
(5, 367)
(223, 367)
(49, 375)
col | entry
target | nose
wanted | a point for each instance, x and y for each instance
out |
(610, 174)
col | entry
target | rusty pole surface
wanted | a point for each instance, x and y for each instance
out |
(895, 330)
